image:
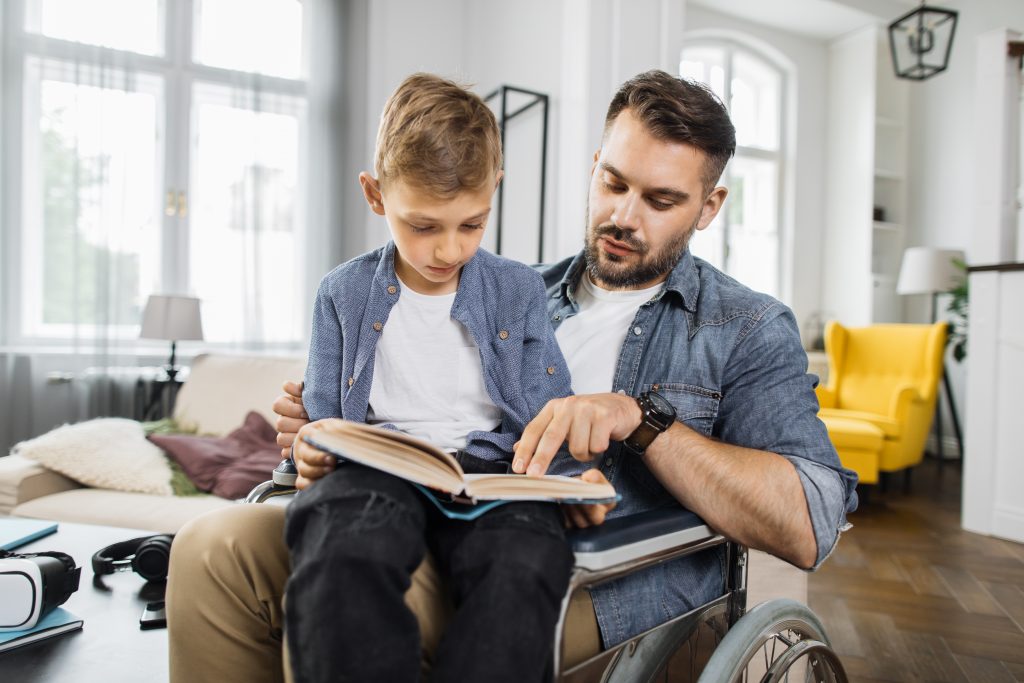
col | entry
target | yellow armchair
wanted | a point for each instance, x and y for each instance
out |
(886, 376)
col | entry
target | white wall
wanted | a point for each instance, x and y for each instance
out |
(941, 160)
(485, 43)
(579, 51)
(942, 135)
(809, 58)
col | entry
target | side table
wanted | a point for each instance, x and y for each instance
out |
(154, 398)
(110, 646)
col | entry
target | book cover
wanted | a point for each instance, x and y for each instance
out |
(439, 475)
(57, 622)
(16, 532)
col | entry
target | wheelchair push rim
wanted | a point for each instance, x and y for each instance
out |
(780, 640)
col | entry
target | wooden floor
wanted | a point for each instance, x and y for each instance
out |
(909, 596)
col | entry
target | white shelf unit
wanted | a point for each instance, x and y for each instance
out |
(866, 169)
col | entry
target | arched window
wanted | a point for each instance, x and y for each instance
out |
(745, 239)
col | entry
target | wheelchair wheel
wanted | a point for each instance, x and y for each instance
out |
(780, 640)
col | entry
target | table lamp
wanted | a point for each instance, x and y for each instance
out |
(175, 318)
(927, 270)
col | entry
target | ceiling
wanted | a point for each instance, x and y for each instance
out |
(822, 19)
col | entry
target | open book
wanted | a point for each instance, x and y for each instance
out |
(422, 463)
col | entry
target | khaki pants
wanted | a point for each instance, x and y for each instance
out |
(224, 600)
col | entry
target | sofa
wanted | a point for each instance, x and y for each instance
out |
(220, 391)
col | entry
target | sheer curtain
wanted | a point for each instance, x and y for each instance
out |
(165, 152)
(90, 162)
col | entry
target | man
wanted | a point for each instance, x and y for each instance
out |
(690, 389)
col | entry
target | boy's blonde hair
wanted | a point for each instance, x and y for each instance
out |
(436, 135)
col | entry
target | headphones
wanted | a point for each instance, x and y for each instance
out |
(147, 556)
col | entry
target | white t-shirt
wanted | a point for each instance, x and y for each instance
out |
(427, 376)
(591, 340)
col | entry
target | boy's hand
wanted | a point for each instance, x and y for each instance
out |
(589, 423)
(311, 462)
(291, 416)
(582, 516)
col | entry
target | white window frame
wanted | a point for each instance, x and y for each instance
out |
(731, 46)
(179, 74)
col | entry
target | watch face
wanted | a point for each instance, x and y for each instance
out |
(662, 405)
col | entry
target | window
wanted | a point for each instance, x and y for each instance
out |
(744, 240)
(159, 153)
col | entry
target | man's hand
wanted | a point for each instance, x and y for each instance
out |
(291, 416)
(293, 422)
(589, 423)
(582, 516)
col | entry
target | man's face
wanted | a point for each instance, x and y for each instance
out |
(646, 199)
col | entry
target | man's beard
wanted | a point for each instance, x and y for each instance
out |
(612, 271)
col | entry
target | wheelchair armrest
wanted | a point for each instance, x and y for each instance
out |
(637, 538)
(281, 484)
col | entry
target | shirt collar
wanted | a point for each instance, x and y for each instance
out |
(683, 280)
(384, 276)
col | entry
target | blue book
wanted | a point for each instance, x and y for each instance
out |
(55, 623)
(16, 532)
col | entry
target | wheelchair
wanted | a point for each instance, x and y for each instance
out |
(720, 642)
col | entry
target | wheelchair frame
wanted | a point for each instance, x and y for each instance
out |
(626, 544)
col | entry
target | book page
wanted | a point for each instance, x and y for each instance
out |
(393, 452)
(550, 487)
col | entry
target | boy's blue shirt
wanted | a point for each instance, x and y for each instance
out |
(499, 301)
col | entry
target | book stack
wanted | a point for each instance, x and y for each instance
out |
(57, 622)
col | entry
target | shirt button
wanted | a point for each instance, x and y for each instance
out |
(351, 381)
(637, 330)
(610, 462)
(551, 370)
(557, 318)
(392, 289)
(503, 334)
(621, 391)
(378, 327)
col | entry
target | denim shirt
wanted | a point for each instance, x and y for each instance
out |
(499, 301)
(731, 363)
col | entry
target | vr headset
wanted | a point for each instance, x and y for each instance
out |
(32, 584)
(148, 556)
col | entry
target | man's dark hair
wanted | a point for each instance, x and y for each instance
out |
(679, 110)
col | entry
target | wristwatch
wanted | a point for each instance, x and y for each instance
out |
(656, 415)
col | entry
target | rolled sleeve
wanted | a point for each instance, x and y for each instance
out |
(769, 404)
(827, 504)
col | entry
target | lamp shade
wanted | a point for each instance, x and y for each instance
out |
(921, 40)
(171, 317)
(926, 270)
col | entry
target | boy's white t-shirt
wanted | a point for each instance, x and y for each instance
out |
(591, 340)
(427, 377)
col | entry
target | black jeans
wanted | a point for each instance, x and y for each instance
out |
(356, 537)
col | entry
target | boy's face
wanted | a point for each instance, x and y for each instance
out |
(646, 199)
(434, 237)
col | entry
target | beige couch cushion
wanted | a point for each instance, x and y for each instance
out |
(165, 514)
(221, 389)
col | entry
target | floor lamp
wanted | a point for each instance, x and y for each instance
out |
(926, 270)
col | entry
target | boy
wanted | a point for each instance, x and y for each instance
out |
(429, 336)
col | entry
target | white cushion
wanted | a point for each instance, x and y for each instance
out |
(108, 453)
